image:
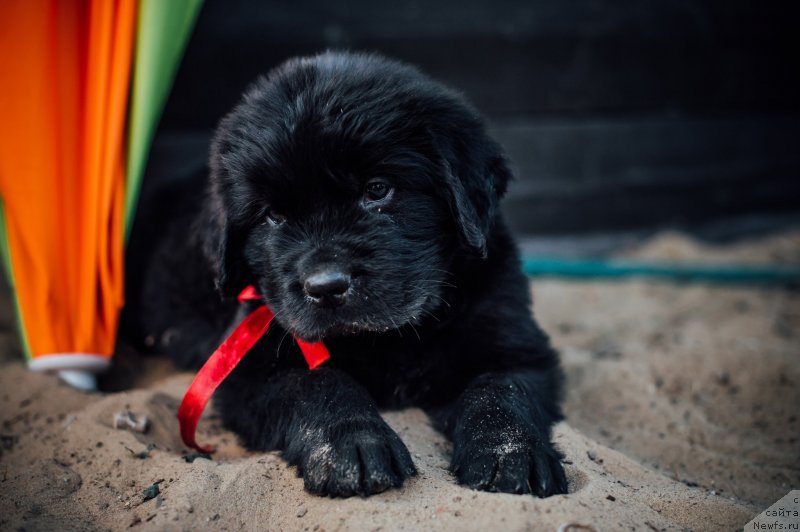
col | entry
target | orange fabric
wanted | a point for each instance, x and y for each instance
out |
(64, 82)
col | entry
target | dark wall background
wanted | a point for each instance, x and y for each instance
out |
(619, 116)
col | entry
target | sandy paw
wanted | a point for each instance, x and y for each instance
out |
(362, 458)
(519, 468)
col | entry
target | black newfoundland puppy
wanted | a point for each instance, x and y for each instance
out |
(361, 199)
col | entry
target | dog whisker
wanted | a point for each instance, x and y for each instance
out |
(440, 298)
(278, 350)
(414, 329)
(434, 281)
(388, 315)
(442, 271)
(431, 315)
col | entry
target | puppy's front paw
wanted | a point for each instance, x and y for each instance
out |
(516, 465)
(353, 458)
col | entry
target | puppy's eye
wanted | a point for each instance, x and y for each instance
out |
(377, 189)
(275, 218)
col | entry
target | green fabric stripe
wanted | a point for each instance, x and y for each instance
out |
(5, 252)
(162, 32)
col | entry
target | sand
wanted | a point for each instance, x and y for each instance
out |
(681, 414)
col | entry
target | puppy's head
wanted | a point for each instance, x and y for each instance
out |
(344, 186)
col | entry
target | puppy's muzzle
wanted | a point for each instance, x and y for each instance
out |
(327, 288)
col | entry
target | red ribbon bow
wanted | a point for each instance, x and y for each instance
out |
(226, 357)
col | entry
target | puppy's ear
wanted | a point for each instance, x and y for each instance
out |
(476, 177)
(222, 248)
(231, 276)
(222, 233)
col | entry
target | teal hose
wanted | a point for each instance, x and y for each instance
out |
(708, 273)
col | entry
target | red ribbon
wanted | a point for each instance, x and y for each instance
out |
(225, 358)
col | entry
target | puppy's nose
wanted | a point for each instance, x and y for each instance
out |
(327, 288)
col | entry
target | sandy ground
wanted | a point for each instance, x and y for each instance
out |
(682, 413)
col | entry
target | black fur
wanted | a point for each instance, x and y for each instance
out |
(437, 314)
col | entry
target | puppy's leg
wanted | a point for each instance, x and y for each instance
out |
(325, 424)
(500, 427)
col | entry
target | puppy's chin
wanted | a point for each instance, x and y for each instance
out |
(318, 332)
(312, 325)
